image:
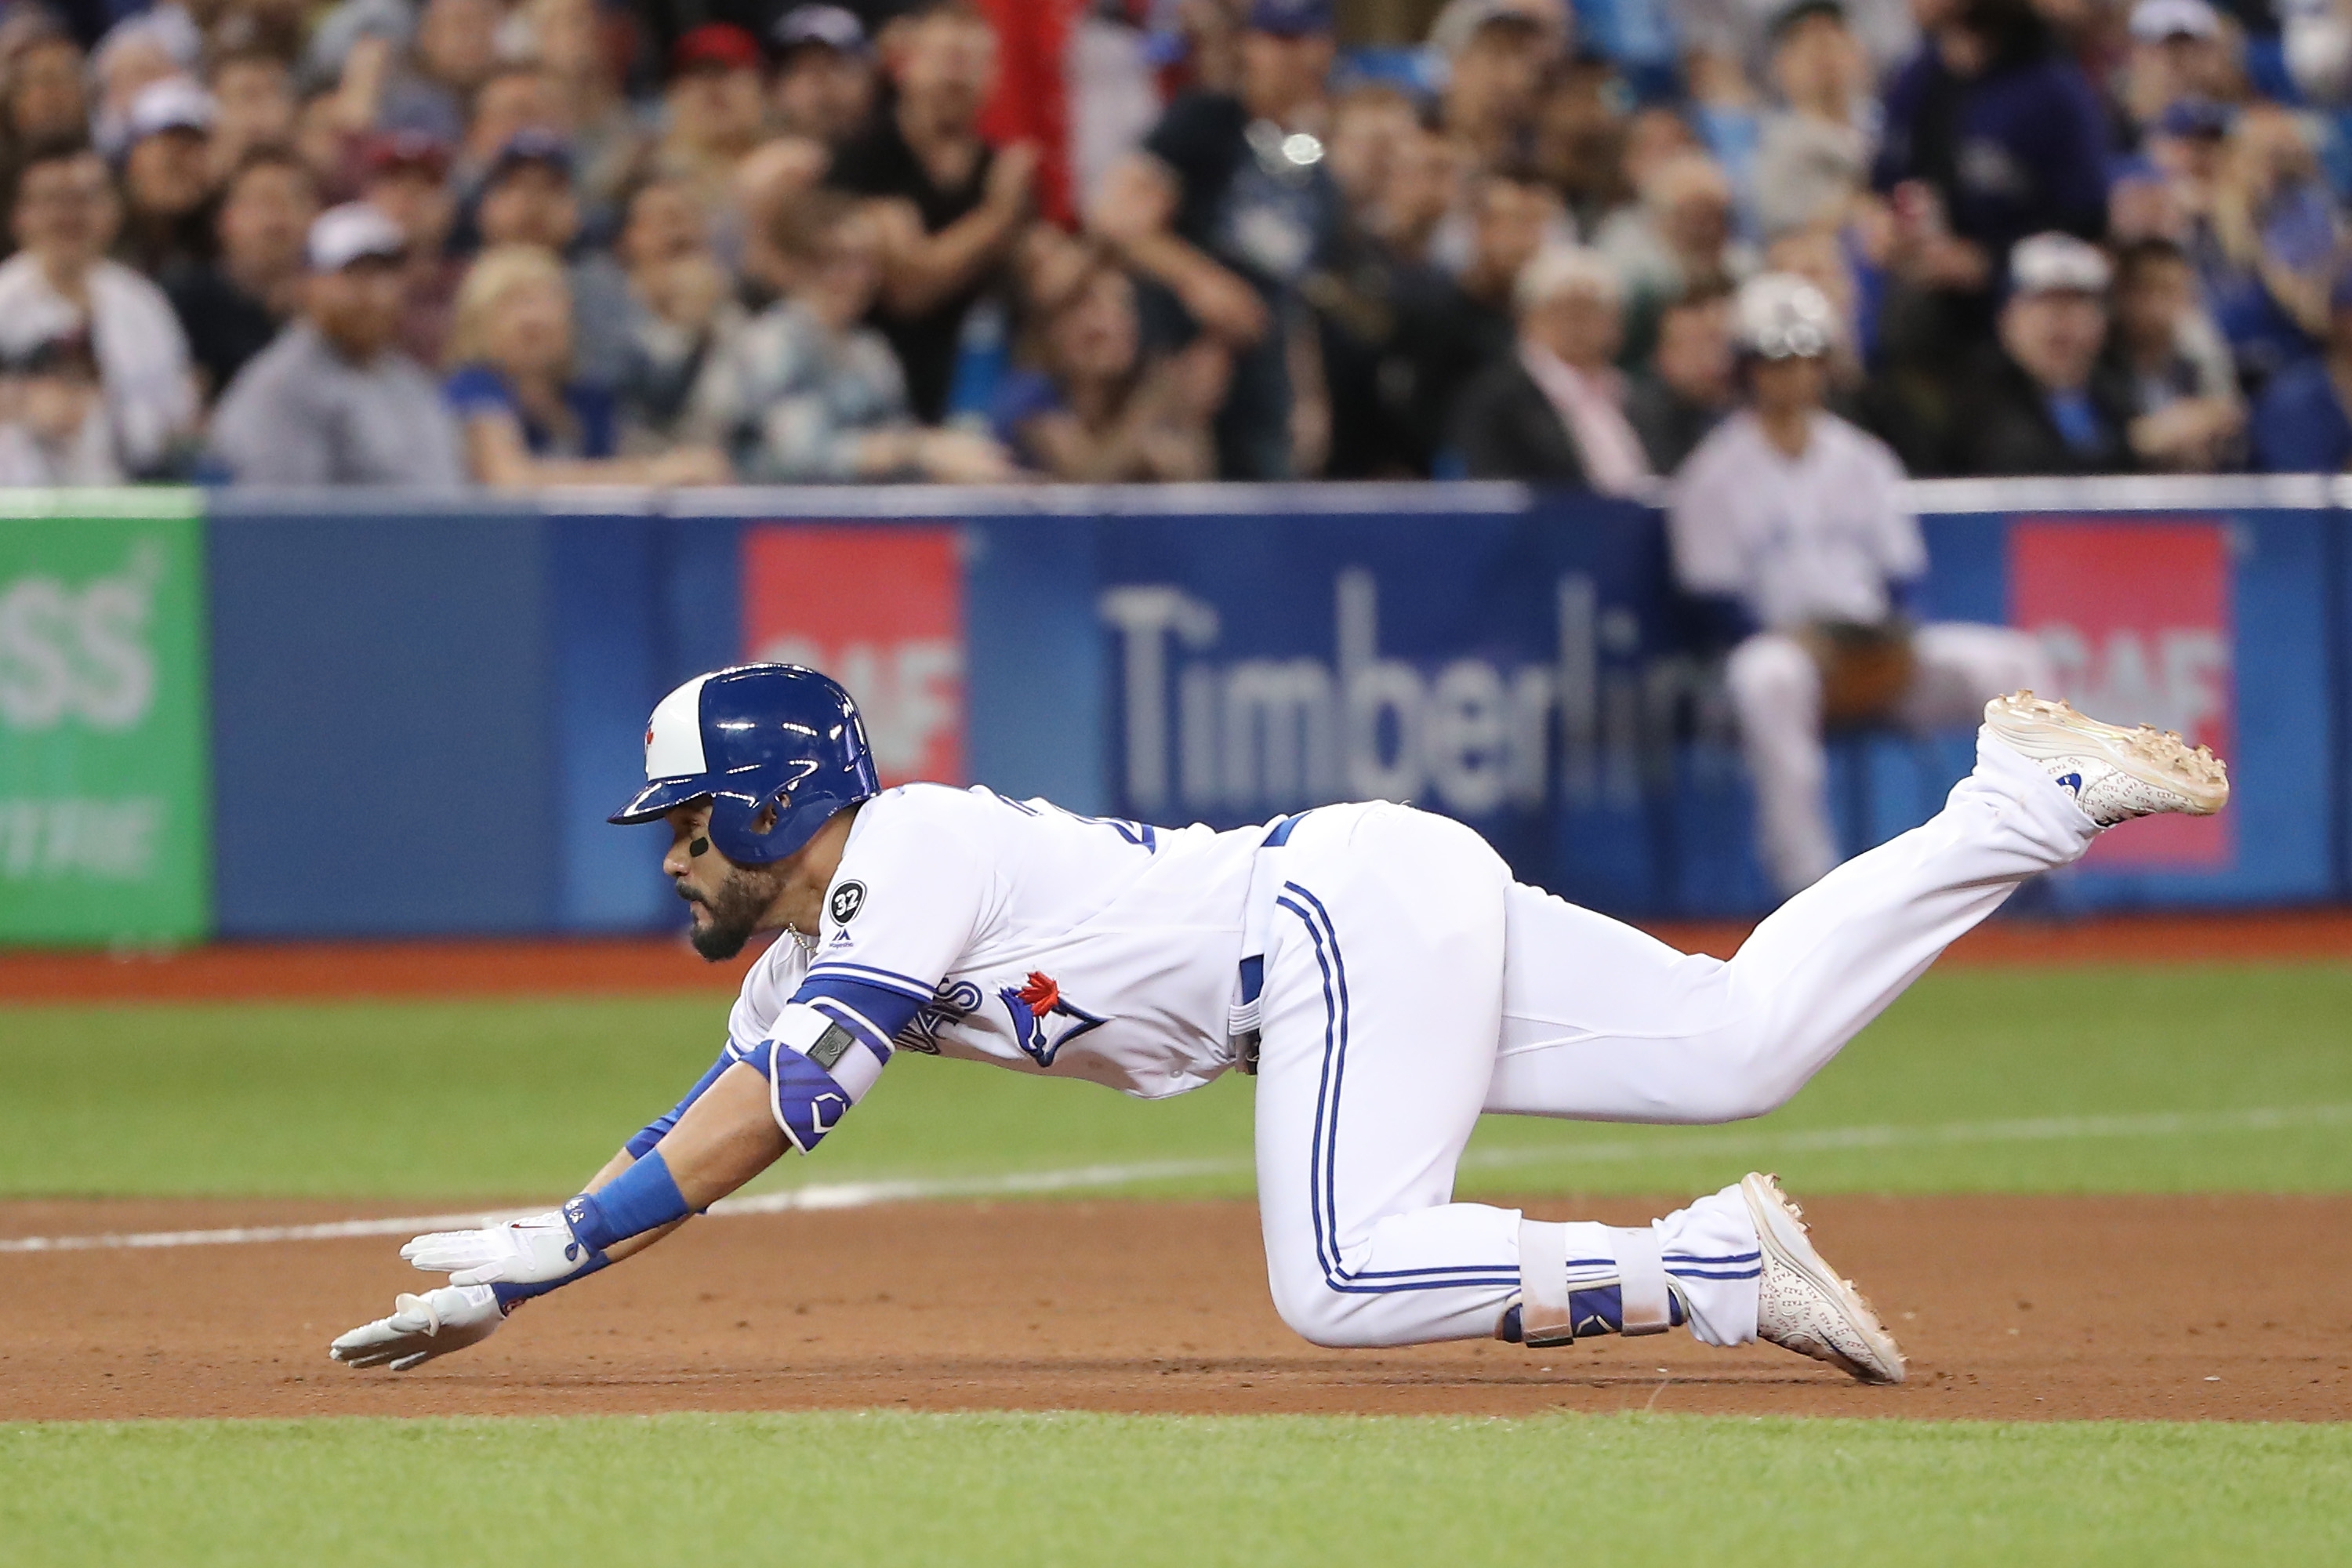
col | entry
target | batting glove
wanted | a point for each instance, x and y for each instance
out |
(540, 1250)
(423, 1327)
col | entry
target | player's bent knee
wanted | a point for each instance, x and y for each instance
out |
(1335, 1320)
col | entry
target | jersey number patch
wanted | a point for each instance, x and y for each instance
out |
(847, 900)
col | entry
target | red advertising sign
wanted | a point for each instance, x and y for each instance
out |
(880, 609)
(2136, 619)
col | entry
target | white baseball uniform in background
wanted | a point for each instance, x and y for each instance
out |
(1821, 537)
(1409, 985)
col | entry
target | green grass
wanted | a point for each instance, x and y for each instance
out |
(843, 1489)
(522, 1099)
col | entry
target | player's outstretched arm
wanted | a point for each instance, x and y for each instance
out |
(721, 1140)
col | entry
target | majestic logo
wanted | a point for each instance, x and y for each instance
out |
(1033, 1007)
(952, 1003)
(847, 900)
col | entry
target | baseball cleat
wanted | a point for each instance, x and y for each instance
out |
(1802, 1304)
(2114, 773)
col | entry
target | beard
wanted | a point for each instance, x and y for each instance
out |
(730, 916)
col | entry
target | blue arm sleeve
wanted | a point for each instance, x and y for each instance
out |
(652, 1134)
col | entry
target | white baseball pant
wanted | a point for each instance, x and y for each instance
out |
(1410, 984)
(1775, 693)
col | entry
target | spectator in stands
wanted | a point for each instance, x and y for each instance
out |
(682, 313)
(55, 430)
(1788, 525)
(1451, 329)
(946, 205)
(807, 391)
(2299, 424)
(135, 53)
(1093, 409)
(1677, 239)
(1424, 181)
(1553, 409)
(1359, 288)
(608, 136)
(2179, 50)
(405, 176)
(1688, 386)
(253, 101)
(1496, 55)
(1812, 160)
(2186, 414)
(527, 420)
(334, 401)
(43, 99)
(1991, 134)
(64, 217)
(528, 200)
(432, 88)
(2005, 134)
(1579, 137)
(233, 307)
(1730, 42)
(1229, 208)
(167, 178)
(2047, 402)
(514, 99)
(715, 106)
(825, 83)
(2266, 243)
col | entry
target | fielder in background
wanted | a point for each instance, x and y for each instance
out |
(1374, 966)
(1788, 525)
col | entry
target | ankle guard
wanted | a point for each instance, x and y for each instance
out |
(1551, 1311)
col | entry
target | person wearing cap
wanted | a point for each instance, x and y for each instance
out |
(528, 198)
(233, 307)
(1813, 154)
(1788, 527)
(715, 106)
(824, 82)
(64, 218)
(167, 177)
(1553, 409)
(54, 431)
(334, 401)
(1228, 207)
(2180, 49)
(949, 206)
(2302, 421)
(405, 174)
(2045, 401)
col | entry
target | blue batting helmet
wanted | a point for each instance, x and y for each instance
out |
(750, 738)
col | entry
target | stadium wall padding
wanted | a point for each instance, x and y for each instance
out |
(421, 714)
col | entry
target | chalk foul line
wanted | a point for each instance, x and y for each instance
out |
(1083, 1178)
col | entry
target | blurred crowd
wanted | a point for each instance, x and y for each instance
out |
(440, 243)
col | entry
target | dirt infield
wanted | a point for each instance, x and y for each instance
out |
(2175, 1308)
(605, 966)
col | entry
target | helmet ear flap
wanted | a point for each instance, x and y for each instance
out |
(740, 827)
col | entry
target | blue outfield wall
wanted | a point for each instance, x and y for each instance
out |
(421, 716)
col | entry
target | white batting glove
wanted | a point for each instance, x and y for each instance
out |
(531, 1251)
(423, 1327)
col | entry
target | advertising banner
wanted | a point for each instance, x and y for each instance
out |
(104, 784)
(2134, 615)
(880, 609)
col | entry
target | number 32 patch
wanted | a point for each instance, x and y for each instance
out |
(847, 900)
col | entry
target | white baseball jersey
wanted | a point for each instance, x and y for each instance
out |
(962, 924)
(1808, 538)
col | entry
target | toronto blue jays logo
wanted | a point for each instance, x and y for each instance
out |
(952, 1003)
(1033, 1007)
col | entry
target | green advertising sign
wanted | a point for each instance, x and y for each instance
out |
(105, 776)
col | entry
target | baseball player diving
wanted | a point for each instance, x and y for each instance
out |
(1375, 966)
